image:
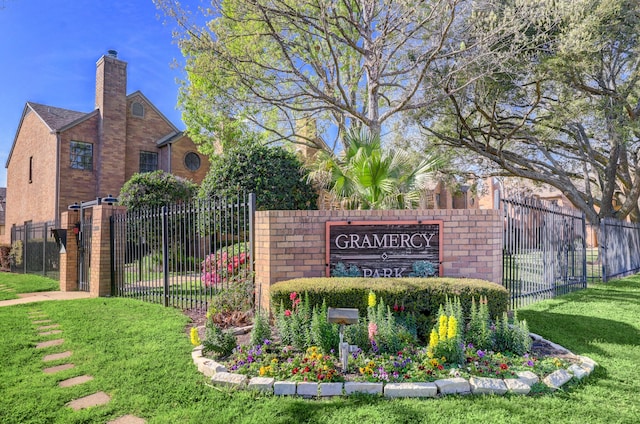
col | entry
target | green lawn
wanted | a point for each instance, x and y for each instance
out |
(25, 283)
(140, 355)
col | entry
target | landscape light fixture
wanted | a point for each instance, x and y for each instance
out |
(343, 316)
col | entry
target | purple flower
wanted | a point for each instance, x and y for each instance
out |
(530, 363)
(249, 359)
(470, 346)
(267, 342)
(480, 353)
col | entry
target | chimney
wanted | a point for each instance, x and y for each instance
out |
(111, 101)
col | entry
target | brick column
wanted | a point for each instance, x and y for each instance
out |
(69, 260)
(100, 279)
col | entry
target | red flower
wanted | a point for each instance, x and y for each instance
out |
(294, 371)
(504, 367)
(396, 307)
(306, 369)
(293, 296)
(287, 313)
(440, 367)
(402, 308)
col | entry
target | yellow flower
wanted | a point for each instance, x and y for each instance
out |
(372, 299)
(195, 339)
(274, 360)
(263, 371)
(452, 328)
(442, 329)
(434, 362)
(433, 339)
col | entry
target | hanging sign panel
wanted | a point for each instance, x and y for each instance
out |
(384, 249)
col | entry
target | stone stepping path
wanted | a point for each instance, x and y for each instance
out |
(48, 327)
(48, 333)
(75, 381)
(56, 356)
(49, 343)
(128, 419)
(58, 368)
(96, 399)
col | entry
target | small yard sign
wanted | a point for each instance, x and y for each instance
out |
(384, 249)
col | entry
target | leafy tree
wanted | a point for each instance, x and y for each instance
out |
(566, 112)
(366, 176)
(272, 173)
(153, 189)
(274, 66)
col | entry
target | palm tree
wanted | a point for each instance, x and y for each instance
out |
(366, 176)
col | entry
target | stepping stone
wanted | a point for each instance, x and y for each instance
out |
(56, 356)
(48, 333)
(43, 321)
(58, 368)
(49, 343)
(128, 419)
(75, 381)
(95, 399)
(48, 327)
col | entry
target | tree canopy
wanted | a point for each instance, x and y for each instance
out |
(271, 65)
(565, 112)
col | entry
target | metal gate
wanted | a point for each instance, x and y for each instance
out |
(84, 249)
(544, 252)
(184, 254)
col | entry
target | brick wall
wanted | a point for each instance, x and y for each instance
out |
(291, 244)
(36, 145)
(179, 150)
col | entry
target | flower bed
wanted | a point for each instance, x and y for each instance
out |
(469, 353)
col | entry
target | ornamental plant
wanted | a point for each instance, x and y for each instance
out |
(220, 343)
(223, 266)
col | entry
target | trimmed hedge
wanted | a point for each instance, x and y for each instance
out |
(421, 296)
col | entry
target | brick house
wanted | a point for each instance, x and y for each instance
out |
(61, 156)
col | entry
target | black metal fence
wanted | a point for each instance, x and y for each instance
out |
(544, 250)
(182, 255)
(34, 250)
(619, 248)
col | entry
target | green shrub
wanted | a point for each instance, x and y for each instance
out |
(155, 189)
(272, 173)
(419, 296)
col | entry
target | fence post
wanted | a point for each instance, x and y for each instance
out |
(45, 227)
(252, 247)
(69, 259)
(602, 247)
(165, 255)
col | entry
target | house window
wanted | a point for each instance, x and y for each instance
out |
(81, 155)
(192, 161)
(137, 109)
(30, 169)
(148, 161)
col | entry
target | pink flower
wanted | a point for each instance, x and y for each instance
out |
(373, 330)
(287, 313)
(293, 296)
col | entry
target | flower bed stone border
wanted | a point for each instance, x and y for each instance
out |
(474, 385)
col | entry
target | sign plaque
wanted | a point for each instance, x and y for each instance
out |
(384, 249)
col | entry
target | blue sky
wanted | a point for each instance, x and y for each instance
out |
(49, 50)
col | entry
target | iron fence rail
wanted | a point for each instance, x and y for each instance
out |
(182, 255)
(619, 248)
(544, 251)
(34, 250)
